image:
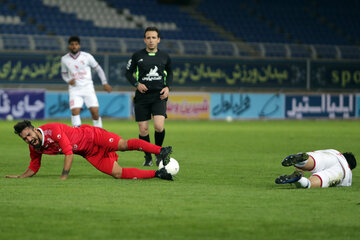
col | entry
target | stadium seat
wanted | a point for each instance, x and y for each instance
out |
(47, 43)
(19, 42)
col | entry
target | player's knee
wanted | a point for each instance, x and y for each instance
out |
(116, 176)
(95, 116)
(123, 145)
(159, 128)
(116, 171)
(75, 111)
(144, 131)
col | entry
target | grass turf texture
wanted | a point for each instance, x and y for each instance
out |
(225, 188)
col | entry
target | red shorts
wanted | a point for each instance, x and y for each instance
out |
(103, 155)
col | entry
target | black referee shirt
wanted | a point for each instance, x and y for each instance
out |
(152, 69)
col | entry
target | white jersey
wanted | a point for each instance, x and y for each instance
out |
(78, 67)
(332, 168)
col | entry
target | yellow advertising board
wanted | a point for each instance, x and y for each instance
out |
(188, 106)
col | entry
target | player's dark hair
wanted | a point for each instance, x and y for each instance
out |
(152, 29)
(21, 126)
(74, 39)
(350, 158)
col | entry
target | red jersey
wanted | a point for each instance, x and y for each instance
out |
(59, 138)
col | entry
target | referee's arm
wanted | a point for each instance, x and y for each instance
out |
(169, 74)
(130, 69)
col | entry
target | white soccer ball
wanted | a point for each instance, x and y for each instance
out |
(9, 117)
(229, 118)
(172, 167)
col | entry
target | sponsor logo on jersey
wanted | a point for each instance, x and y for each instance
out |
(153, 75)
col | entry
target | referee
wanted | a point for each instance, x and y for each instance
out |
(153, 80)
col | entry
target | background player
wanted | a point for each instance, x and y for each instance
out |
(329, 168)
(76, 71)
(153, 80)
(96, 145)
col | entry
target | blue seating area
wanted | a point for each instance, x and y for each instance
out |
(16, 42)
(170, 46)
(325, 29)
(343, 16)
(47, 43)
(240, 22)
(187, 27)
(222, 49)
(133, 45)
(195, 48)
(300, 51)
(292, 17)
(280, 21)
(349, 52)
(325, 51)
(274, 50)
(108, 45)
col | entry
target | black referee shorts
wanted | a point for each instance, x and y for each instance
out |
(148, 104)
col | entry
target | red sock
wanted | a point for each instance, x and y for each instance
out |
(141, 145)
(135, 173)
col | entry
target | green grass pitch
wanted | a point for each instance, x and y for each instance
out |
(225, 188)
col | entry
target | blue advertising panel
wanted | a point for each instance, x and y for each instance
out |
(22, 104)
(335, 75)
(320, 106)
(358, 106)
(243, 105)
(115, 105)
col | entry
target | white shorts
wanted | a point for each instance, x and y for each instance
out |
(77, 98)
(331, 168)
(331, 177)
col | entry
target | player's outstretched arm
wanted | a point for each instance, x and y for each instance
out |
(67, 166)
(27, 173)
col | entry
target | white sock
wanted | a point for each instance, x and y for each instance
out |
(304, 183)
(301, 164)
(98, 123)
(76, 121)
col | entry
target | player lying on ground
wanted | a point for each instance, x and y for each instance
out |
(95, 144)
(329, 168)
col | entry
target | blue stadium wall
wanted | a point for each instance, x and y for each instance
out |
(200, 72)
(294, 89)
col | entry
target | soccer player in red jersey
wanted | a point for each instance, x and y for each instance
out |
(95, 144)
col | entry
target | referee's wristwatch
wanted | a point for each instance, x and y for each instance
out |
(136, 84)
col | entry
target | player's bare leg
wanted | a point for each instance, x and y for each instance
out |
(143, 128)
(144, 135)
(75, 117)
(123, 145)
(159, 122)
(309, 165)
(116, 171)
(97, 122)
(315, 181)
